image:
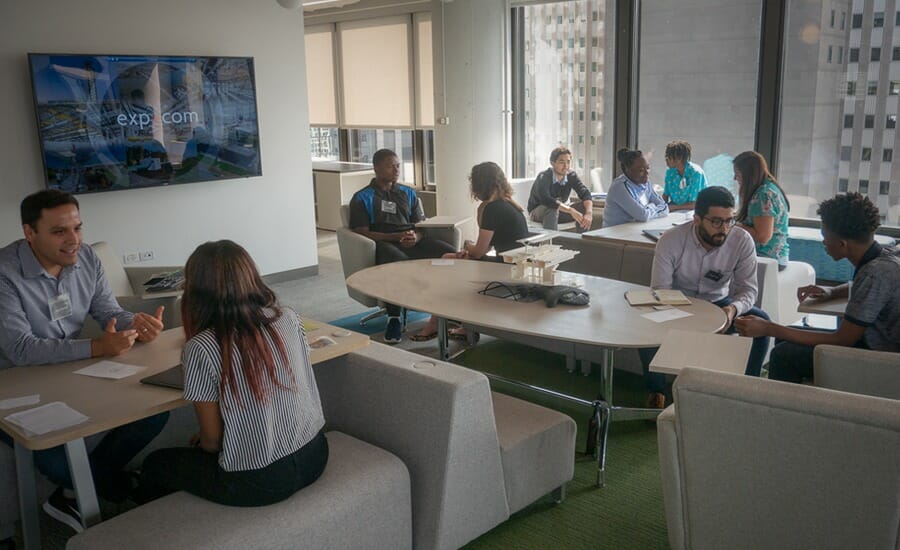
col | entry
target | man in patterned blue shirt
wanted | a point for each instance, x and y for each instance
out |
(684, 179)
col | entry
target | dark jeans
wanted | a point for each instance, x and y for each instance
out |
(790, 362)
(108, 459)
(198, 472)
(656, 382)
(427, 247)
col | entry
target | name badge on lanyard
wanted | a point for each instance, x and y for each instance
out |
(60, 307)
(388, 207)
(643, 199)
(683, 183)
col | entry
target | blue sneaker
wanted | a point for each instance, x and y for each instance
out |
(393, 332)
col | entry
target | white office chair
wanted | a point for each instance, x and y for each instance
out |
(358, 252)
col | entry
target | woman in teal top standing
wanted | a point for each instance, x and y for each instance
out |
(684, 179)
(764, 207)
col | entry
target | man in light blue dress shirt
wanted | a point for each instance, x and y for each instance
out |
(631, 197)
(49, 283)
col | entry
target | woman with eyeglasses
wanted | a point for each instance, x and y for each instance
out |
(764, 207)
(631, 197)
(684, 179)
(247, 372)
(501, 223)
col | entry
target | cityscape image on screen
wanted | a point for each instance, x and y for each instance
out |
(109, 122)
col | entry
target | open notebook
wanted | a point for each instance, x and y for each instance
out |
(656, 297)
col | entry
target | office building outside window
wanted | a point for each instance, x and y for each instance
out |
(698, 82)
(552, 119)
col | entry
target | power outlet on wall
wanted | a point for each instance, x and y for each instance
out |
(145, 255)
(131, 258)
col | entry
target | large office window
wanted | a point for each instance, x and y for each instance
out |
(350, 103)
(699, 65)
(364, 143)
(827, 137)
(555, 111)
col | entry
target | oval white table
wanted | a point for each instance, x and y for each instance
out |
(449, 290)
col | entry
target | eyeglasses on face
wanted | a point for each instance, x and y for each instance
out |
(719, 222)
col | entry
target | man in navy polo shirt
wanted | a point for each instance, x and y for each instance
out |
(872, 317)
(386, 212)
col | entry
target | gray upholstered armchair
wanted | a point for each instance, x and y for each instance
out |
(754, 463)
(127, 285)
(857, 370)
(358, 252)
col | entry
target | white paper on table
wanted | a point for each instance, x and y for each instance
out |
(16, 402)
(666, 315)
(441, 262)
(46, 418)
(109, 369)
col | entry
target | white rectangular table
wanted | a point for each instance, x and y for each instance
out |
(704, 350)
(632, 233)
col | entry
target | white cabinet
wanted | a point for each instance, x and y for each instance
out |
(335, 183)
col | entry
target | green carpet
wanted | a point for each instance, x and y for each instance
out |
(628, 512)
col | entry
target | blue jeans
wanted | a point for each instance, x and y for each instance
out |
(656, 382)
(108, 459)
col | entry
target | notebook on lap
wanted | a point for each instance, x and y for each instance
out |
(169, 378)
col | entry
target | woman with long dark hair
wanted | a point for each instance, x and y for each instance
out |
(247, 372)
(501, 223)
(764, 207)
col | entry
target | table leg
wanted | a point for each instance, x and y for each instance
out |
(28, 506)
(443, 343)
(83, 482)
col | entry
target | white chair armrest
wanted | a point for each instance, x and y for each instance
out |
(855, 370)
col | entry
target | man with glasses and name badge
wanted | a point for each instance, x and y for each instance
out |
(709, 260)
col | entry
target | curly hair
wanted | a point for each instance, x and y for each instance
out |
(850, 216)
(626, 156)
(679, 150)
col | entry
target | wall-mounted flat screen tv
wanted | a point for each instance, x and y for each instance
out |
(110, 122)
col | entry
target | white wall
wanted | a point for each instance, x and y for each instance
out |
(470, 42)
(272, 215)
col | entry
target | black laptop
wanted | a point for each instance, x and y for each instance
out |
(169, 378)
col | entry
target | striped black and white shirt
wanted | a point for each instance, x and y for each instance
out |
(257, 434)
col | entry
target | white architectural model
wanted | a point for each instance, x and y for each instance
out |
(537, 260)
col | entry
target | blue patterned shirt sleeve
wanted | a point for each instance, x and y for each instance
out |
(694, 182)
(769, 202)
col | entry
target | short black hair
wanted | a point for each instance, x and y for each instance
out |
(382, 154)
(30, 209)
(626, 156)
(679, 150)
(850, 216)
(712, 197)
(559, 151)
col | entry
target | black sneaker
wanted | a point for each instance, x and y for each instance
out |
(393, 332)
(64, 509)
